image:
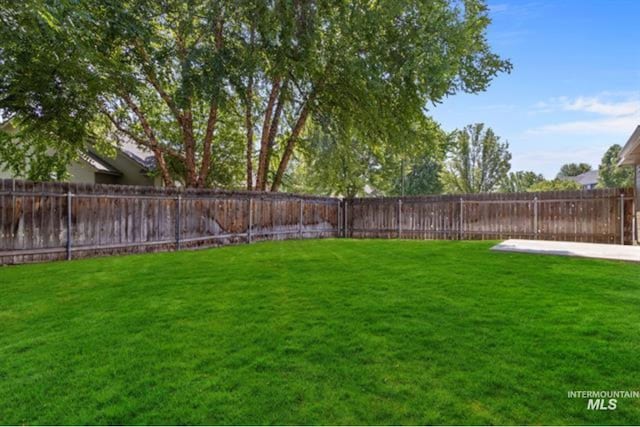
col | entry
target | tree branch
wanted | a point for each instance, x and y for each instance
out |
(153, 80)
(154, 146)
(138, 140)
(248, 122)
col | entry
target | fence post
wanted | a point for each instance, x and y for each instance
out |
(460, 229)
(178, 222)
(399, 218)
(535, 217)
(69, 208)
(13, 213)
(622, 218)
(250, 225)
(339, 224)
(634, 227)
(634, 238)
(345, 218)
(301, 218)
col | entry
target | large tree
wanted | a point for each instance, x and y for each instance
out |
(610, 174)
(477, 162)
(178, 77)
(573, 169)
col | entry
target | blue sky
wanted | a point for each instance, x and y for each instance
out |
(575, 85)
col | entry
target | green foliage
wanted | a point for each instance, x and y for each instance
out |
(573, 169)
(29, 154)
(43, 106)
(610, 174)
(336, 163)
(519, 181)
(422, 179)
(166, 74)
(477, 162)
(318, 332)
(555, 185)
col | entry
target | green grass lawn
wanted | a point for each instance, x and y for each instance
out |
(319, 332)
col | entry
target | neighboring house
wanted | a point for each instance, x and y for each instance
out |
(130, 166)
(587, 180)
(630, 156)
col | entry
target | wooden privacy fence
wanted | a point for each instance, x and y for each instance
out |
(598, 216)
(51, 221)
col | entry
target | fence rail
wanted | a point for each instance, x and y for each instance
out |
(598, 216)
(52, 221)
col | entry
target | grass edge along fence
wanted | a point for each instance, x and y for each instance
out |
(55, 221)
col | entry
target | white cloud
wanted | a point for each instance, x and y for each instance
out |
(597, 106)
(606, 113)
(616, 125)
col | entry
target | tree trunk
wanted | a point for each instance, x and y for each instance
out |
(153, 142)
(273, 131)
(264, 138)
(164, 171)
(212, 120)
(248, 122)
(291, 141)
(206, 144)
(189, 150)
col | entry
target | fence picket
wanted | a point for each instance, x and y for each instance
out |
(37, 220)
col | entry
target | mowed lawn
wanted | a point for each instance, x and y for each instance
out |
(319, 332)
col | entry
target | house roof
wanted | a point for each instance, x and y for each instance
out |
(140, 156)
(143, 156)
(587, 178)
(630, 154)
(98, 164)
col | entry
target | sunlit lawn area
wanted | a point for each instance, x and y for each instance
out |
(319, 332)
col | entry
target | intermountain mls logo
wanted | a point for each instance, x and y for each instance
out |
(603, 400)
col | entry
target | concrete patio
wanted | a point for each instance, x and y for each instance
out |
(585, 250)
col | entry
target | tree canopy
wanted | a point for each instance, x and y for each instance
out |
(477, 162)
(573, 169)
(423, 178)
(610, 174)
(351, 165)
(557, 184)
(519, 181)
(226, 91)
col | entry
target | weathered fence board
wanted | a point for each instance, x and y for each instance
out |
(599, 216)
(50, 221)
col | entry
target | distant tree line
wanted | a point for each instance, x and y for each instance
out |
(476, 160)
